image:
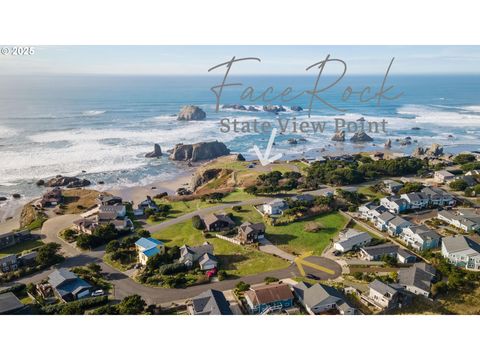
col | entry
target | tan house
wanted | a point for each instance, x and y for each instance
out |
(249, 233)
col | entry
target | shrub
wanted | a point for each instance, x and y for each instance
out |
(458, 185)
(197, 223)
(74, 307)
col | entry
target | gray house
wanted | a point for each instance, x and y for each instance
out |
(68, 286)
(319, 299)
(210, 302)
(417, 279)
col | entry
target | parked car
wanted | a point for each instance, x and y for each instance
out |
(312, 277)
(98, 292)
(212, 272)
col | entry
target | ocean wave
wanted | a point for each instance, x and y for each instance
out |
(6, 132)
(434, 115)
(93, 112)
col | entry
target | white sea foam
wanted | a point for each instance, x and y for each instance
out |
(7, 132)
(429, 114)
(93, 112)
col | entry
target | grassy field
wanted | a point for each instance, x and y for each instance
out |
(292, 237)
(365, 190)
(184, 207)
(235, 259)
(77, 201)
(18, 248)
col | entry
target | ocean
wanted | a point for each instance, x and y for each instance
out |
(100, 127)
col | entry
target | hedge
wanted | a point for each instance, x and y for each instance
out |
(83, 304)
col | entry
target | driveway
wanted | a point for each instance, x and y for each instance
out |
(267, 247)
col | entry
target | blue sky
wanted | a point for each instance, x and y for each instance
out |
(145, 60)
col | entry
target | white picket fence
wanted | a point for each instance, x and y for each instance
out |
(232, 240)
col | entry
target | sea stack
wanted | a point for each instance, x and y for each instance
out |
(199, 151)
(157, 152)
(361, 136)
(339, 136)
(191, 112)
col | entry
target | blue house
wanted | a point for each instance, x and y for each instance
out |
(267, 298)
(148, 247)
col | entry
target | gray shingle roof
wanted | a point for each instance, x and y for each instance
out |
(382, 288)
(211, 302)
(9, 303)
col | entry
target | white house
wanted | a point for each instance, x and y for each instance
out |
(381, 223)
(438, 197)
(352, 239)
(383, 295)
(443, 176)
(461, 251)
(274, 207)
(462, 222)
(417, 279)
(394, 204)
(371, 211)
(392, 186)
(396, 225)
(416, 200)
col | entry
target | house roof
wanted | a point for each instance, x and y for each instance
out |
(29, 256)
(382, 288)
(248, 227)
(354, 234)
(276, 202)
(267, 294)
(148, 243)
(8, 258)
(318, 294)
(381, 249)
(405, 254)
(386, 216)
(398, 220)
(211, 302)
(207, 257)
(66, 282)
(392, 183)
(198, 251)
(444, 173)
(303, 197)
(416, 276)
(9, 303)
(112, 208)
(212, 218)
(459, 243)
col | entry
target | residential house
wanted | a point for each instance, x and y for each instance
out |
(303, 198)
(85, 225)
(68, 286)
(396, 225)
(416, 200)
(392, 186)
(318, 299)
(375, 253)
(147, 248)
(405, 257)
(266, 298)
(461, 251)
(371, 211)
(218, 222)
(443, 176)
(383, 296)
(52, 197)
(352, 239)
(8, 263)
(417, 279)
(10, 305)
(420, 237)
(108, 200)
(191, 255)
(473, 173)
(210, 302)
(394, 204)
(249, 233)
(148, 203)
(274, 207)
(28, 259)
(110, 212)
(207, 262)
(469, 179)
(381, 223)
(462, 222)
(12, 238)
(437, 196)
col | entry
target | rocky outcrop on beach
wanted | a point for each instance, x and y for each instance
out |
(240, 157)
(292, 141)
(199, 151)
(388, 144)
(339, 136)
(419, 151)
(435, 150)
(16, 196)
(67, 181)
(191, 112)
(296, 108)
(157, 152)
(234, 107)
(3, 198)
(361, 136)
(273, 108)
(252, 108)
(40, 182)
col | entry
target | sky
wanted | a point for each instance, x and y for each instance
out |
(196, 60)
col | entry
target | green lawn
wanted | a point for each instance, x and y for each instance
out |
(365, 190)
(18, 248)
(292, 237)
(183, 207)
(235, 259)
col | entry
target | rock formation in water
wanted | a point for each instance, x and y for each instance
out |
(191, 112)
(339, 136)
(360, 136)
(67, 181)
(199, 151)
(157, 152)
